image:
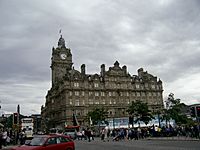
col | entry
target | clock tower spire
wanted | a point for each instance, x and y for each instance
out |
(61, 61)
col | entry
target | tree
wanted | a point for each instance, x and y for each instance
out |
(98, 115)
(173, 110)
(140, 111)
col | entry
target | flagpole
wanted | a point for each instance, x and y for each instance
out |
(60, 32)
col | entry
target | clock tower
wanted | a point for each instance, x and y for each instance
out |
(61, 61)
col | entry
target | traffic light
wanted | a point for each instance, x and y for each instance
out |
(198, 111)
(15, 118)
(192, 112)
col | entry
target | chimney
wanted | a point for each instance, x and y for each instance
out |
(83, 69)
(102, 70)
(124, 69)
(140, 72)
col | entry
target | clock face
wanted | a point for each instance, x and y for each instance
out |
(63, 56)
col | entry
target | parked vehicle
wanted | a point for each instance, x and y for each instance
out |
(48, 142)
(72, 131)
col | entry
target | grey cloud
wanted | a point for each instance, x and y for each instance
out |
(160, 36)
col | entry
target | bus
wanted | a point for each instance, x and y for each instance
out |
(27, 127)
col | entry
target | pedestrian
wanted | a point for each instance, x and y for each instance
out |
(102, 134)
(22, 137)
(4, 137)
(1, 141)
(92, 135)
(88, 134)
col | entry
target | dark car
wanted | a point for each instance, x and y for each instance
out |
(48, 142)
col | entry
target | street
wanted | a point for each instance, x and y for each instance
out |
(138, 145)
(155, 144)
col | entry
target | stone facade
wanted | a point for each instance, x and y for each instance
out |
(75, 92)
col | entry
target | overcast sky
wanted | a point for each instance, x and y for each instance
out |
(161, 36)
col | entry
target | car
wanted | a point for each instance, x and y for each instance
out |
(71, 134)
(48, 142)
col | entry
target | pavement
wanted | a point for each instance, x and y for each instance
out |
(177, 138)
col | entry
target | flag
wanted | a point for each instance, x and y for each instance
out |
(90, 121)
(75, 121)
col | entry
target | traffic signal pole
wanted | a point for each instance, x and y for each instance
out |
(198, 117)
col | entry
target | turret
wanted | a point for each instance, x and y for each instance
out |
(61, 42)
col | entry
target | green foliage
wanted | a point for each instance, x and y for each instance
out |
(140, 111)
(98, 115)
(10, 121)
(173, 110)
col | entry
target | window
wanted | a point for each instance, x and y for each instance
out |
(70, 101)
(58, 140)
(90, 101)
(77, 93)
(114, 101)
(70, 93)
(83, 93)
(146, 85)
(128, 102)
(63, 140)
(153, 86)
(102, 94)
(110, 101)
(90, 93)
(96, 85)
(137, 86)
(83, 102)
(103, 101)
(51, 141)
(138, 93)
(96, 93)
(76, 84)
(96, 101)
(52, 101)
(109, 93)
(77, 102)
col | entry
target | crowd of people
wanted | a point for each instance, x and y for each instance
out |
(153, 131)
(86, 134)
(11, 137)
(137, 133)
